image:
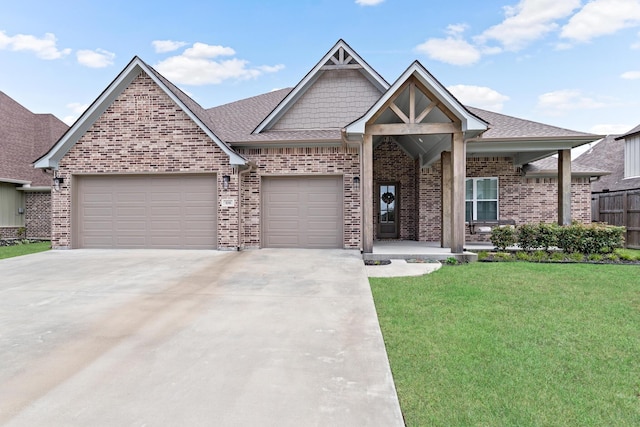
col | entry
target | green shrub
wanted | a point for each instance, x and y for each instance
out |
(595, 257)
(557, 256)
(576, 257)
(522, 256)
(526, 235)
(502, 256)
(502, 237)
(626, 256)
(483, 255)
(539, 256)
(452, 261)
(611, 257)
(594, 238)
(547, 236)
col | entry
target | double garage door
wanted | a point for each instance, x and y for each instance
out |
(142, 211)
(302, 212)
(179, 211)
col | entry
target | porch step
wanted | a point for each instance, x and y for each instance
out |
(435, 256)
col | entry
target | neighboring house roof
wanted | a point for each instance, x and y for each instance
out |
(548, 167)
(100, 105)
(608, 154)
(24, 136)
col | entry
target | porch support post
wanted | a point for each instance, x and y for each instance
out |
(564, 187)
(458, 169)
(445, 221)
(367, 193)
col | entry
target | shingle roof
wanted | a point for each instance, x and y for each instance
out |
(503, 126)
(549, 166)
(608, 154)
(24, 136)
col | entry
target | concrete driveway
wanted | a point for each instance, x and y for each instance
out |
(190, 338)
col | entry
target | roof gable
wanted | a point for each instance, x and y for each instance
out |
(109, 95)
(341, 57)
(471, 124)
(633, 131)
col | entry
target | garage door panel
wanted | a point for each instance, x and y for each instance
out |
(302, 212)
(138, 211)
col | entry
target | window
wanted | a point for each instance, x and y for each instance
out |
(481, 199)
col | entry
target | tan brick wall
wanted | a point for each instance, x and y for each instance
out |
(301, 161)
(143, 131)
(338, 97)
(392, 164)
(37, 215)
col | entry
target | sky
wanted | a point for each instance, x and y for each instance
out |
(568, 63)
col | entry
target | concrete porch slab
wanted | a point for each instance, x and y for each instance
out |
(411, 249)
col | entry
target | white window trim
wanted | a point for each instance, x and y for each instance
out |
(474, 200)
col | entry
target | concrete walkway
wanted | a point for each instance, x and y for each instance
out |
(402, 268)
(191, 338)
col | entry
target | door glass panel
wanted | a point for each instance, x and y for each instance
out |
(387, 203)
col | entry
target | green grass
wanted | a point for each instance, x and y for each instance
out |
(25, 249)
(515, 344)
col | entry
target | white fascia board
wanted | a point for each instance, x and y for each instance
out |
(15, 181)
(522, 145)
(313, 75)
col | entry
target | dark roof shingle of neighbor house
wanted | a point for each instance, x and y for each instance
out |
(608, 154)
(25, 136)
(549, 166)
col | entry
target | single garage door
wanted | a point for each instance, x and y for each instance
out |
(150, 211)
(302, 212)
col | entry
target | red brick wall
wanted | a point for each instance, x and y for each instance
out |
(37, 215)
(149, 136)
(300, 161)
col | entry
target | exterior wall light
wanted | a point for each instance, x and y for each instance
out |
(225, 182)
(356, 183)
(57, 182)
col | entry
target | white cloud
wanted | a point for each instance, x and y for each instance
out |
(76, 109)
(528, 21)
(559, 102)
(631, 75)
(197, 66)
(98, 58)
(479, 96)
(609, 129)
(453, 49)
(368, 2)
(44, 48)
(602, 17)
(162, 46)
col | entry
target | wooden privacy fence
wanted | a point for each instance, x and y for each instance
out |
(621, 208)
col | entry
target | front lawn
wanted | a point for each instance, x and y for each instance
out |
(515, 344)
(23, 249)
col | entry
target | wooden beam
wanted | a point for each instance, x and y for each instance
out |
(389, 101)
(564, 187)
(458, 170)
(426, 111)
(411, 128)
(412, 104)
(399, 112)
(445, 223)
(366, 183)
(341, 67)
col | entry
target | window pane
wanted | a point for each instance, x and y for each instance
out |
(469, 188)
(487, 189)
(487, 211)
(468, 211)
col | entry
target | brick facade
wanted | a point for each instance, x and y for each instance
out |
(37, 215)
(143, 131)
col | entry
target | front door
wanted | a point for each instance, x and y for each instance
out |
(388, 218)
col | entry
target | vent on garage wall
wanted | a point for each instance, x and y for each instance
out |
(144, 108)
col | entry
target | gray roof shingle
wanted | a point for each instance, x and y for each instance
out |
(24, 136)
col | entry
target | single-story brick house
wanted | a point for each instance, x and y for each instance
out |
(341, 160)
(25, 192)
